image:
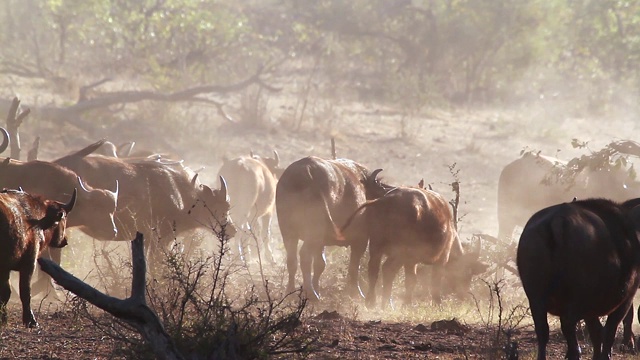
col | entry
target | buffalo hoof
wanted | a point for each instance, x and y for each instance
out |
(388, 304)
(355, 293)
(370, 303)
(31, 323)
(312, 296)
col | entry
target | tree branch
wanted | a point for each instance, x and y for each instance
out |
(133, 310)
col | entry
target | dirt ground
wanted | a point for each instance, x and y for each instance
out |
(479, 142)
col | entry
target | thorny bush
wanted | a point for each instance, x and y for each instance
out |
(208, 314)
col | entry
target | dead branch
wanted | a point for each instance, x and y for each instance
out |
(133, 310)
(14, 120)
(72, 114)
(85, 89)
(333, 148)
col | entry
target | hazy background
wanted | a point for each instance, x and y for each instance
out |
(413, 87)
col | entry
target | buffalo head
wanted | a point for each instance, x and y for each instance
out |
(55, 220)
(212, 207)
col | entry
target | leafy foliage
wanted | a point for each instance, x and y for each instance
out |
(414, 52)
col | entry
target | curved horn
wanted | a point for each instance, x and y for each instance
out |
(69, 206)
(276, 158)
(5, 139)
(130, 148)
(374, 175)
(84, 188)
(115, 193)
(193, 179)
(223, 188)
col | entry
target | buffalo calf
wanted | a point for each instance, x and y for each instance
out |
(580, 260)
(252, 192)
(413, 226)
(28, 224)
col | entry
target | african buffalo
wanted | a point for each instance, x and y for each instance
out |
(252, 192)
(166, 197)
(534, 182)
(312, 195)
(28, 224)
(413, 226)
(580, 260)
(96, 208)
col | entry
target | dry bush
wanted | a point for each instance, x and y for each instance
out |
(212, 309)
(503, 318)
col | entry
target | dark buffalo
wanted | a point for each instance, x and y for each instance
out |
(312, 195)
(534, 182)
(252, 193)
(28, 225)
(413, 226)
(166, 197)
(580, 260)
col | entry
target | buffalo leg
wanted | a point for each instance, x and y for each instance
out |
(373, 269)
(265, 236)
(25, 295)
(595, 334)
(628, 338)
(44, 283)
(358, 248)
(568, 326)
(611, 326)
(410, 280)
(389, 271)
(5, 294)
(319, 264)
(436, 283)
(539, 314)
(291, 248)
(307, 253)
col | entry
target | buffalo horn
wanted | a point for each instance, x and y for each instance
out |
(374, 174)
(251, 153)
(115, 193)
(223, 187)
(276, 157)
(5, 139)
(69, 206)
(84, 188)
(193, 179)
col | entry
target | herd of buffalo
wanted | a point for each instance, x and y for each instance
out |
(578, 260)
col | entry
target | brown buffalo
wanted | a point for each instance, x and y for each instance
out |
(534, 182)
(413, 226)
(166, 197)
(580, 260)
(28, 224)
(252, 193)
(96, 208)
(312, 195)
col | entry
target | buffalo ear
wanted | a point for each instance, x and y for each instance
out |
(53, 215)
